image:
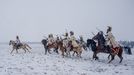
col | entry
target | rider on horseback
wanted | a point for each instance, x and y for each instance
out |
(18, 43)
(111, 41)
(73, 39)
(65, 40)
(100, 40)
(81, 39)
(50, 39)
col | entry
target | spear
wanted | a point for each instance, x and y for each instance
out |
(98, 29)
(93, 33)
(45, 37)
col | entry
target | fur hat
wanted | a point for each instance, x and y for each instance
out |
(17, 37)
(50, 35)
(71, 32)
(109, 28)
(66, 34)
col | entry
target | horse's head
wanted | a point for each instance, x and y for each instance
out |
(90, 41)
(44, 41)
(11, 42)
(96, 37)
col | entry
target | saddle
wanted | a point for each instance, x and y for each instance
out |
(18, 45)
(104, 48)
(52, 44)
(115, 50)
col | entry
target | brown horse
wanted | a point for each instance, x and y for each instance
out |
(62, 49)
(69, 48)
(106, 49)
(49, 46)
(78, 50)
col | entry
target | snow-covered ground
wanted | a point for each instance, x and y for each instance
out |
(36, 63)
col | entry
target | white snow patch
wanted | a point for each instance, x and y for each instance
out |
(36, 63)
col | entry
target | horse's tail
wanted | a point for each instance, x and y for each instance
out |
(28, 46)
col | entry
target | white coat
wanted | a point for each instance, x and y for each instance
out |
(111, 40)
(18, 41)
(50, 40)
(73, 39)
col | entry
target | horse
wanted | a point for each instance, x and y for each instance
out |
(68, 48)
(106, 49)
(23, 46)
(63, 49)
(78, 50)
(82, 44)
(49, 46)
(127, 49)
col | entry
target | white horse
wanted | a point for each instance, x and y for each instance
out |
(23, 46)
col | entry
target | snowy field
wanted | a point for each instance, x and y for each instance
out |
(36, 63)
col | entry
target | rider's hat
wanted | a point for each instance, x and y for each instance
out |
(109, 28)
(50, 35)
(101, 32)
(71, 32)
(17, 36)
(66, 34)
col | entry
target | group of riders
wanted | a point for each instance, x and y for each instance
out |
(102, 40)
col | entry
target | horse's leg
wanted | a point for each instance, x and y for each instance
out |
(109, 56)
(85, 48)
(120, 55)
(45, 49)
(95, 56)
(68, 52)
(24, 49)
(80, 54)
(56, 49)
(62, 52)
(12, 51)
(77, 53)
(121, 58)
(73, 53)
(28, 46)
(17, 50)
(49, 50)
(28, 50)
(112, 58)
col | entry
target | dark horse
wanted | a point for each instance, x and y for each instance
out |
(128, 50)
(48, 47)
(106, 49)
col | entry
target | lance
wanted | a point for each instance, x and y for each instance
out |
(93, 33)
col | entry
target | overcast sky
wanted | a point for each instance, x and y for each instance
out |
(33, 19)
